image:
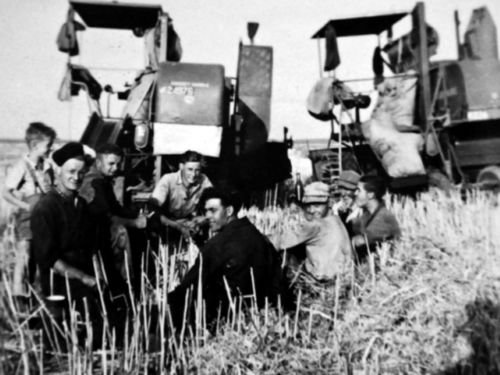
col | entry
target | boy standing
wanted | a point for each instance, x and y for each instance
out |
(26, 180)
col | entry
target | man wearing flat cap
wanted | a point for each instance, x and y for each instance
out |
(327, 245)
(63, 234)
(345, 207)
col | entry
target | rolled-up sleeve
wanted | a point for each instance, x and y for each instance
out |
(301, 235)
(161, 190)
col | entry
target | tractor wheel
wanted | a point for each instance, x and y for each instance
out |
(489, 178)
(439, 180)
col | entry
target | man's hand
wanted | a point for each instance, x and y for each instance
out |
(194, 225)
(89, 281)
(358, 240)
(199, 220)
(141, 221)
(184, 229)
(67, 270)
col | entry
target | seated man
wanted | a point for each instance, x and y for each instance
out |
(345, 208)
(238, 255)
(64, 234)
(327, 245)
(176, 196)
(109, 215)
(376, 223)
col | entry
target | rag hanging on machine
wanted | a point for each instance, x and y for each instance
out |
(378, 65)
(66, 39)
(332, 59)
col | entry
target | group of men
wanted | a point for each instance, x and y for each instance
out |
(78, 219)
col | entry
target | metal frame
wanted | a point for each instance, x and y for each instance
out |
(429, 125)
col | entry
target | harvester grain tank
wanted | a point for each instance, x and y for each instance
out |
(456, 103)
(174, 106)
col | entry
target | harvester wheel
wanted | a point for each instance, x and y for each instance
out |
(489, 178)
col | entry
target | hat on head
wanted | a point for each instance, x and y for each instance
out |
(348, 180)
(316, 192)
(70, 150)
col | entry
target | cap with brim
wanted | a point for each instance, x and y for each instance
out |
(348, 180)
(314, 199)
(316, 192)
(71, 150)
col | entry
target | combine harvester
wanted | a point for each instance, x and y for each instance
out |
(175, 106)
(434, 122)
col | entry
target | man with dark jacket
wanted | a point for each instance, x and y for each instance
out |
(63, 234)
(376, 224)
(238, 260)
(109, 215)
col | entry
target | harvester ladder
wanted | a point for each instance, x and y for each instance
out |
(334, 159)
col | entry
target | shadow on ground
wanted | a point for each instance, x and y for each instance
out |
(482, 331)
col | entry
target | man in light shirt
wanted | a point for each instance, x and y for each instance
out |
(177, 195)
(327, 244)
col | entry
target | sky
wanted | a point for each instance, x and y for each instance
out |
(31, 67)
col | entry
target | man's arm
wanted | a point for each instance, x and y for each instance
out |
(8, 195)
(44, 229)
(383, 227)
(13, 180)
(176, 224)
(154, 206)
(292, 237)
(44, 241)
(64, 269)
(101, 199)
(138, 222)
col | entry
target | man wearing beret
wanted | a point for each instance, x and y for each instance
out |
(63, 235)
(327, 245)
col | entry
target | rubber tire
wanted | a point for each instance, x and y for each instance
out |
(489, 177)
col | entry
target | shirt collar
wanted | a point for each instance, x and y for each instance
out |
(179, 178)
(70, 198)
(194, 187)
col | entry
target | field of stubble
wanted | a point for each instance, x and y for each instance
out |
(431, 305)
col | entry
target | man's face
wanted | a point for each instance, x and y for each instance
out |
(108, 164)
(42, 148)
(315, 211)
(71, 174)
(347, 196)
(362, 196)
(216, 214)
(190, 172)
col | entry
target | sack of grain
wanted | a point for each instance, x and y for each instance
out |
(397, 98)
(398, 152)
